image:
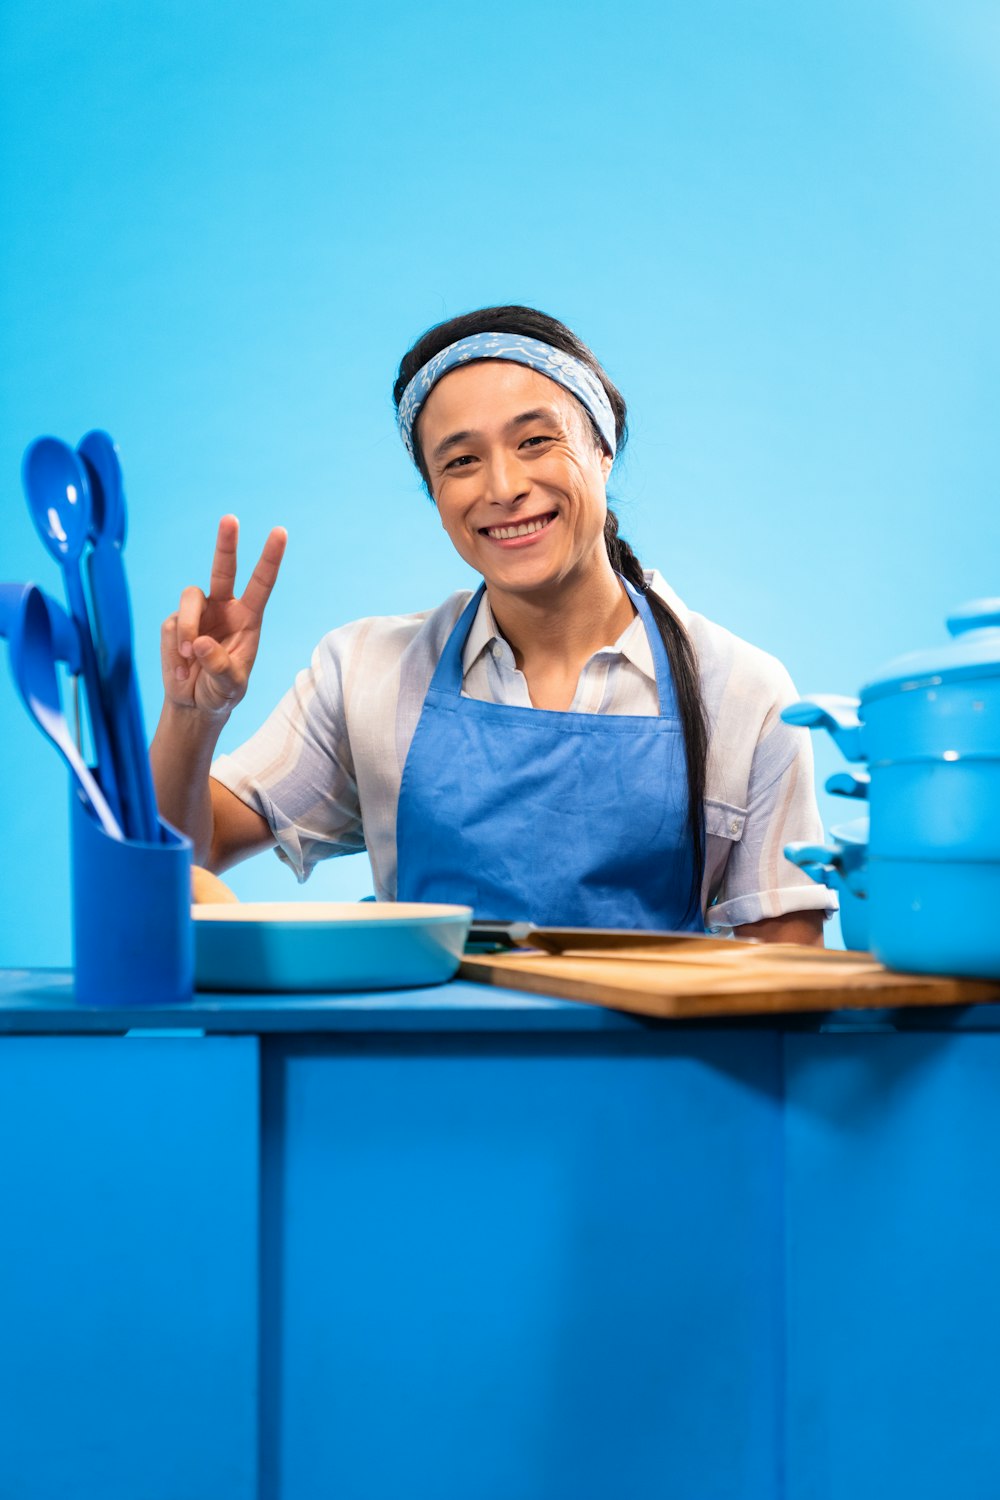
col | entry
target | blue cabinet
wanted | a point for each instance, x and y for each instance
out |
(893, 1193)
(128, 1268)
(464, 1244)
(525, 1268)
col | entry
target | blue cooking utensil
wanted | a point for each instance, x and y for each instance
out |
(59, 499)
(113, 623)
(33, 659)
(65, 636)
(107, 497)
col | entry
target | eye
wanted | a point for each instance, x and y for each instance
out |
(537, 438)
(461, 461)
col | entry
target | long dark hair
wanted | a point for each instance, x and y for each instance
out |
(531, 323)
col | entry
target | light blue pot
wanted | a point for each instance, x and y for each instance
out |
(928, 727)
(936, 810)
(942, 704)
(931, 917)
(842, 866)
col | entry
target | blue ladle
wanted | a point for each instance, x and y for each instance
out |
(113, 622)
(107, 496)
(59, 499)
(33, 659)
(65, 636)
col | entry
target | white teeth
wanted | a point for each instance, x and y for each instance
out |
(504, 533)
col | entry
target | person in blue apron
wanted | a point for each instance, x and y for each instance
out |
(521, 494)
(533, 804)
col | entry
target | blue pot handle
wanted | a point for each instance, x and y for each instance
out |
(831, 712)
(824, 864)
(979, 614)
(849, 784)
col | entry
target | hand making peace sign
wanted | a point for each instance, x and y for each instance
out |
(208, 646)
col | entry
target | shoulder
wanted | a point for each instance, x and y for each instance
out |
(387, 639)
(743, 691)
(733, 672)
(369, 666)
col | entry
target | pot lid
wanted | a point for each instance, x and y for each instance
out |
(974, 651)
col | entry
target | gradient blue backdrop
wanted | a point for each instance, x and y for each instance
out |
(776, 224)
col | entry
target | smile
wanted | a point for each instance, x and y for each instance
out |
(523, 528)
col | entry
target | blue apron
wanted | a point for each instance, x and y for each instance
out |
(560, 819)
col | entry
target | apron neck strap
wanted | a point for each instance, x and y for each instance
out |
(661, 664)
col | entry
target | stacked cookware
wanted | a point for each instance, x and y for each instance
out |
(927, 729)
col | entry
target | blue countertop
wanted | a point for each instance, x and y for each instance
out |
(42, 1001)
(507, 1244)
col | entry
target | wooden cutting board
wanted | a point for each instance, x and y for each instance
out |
(706, 977)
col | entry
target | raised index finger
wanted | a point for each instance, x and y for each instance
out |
(223, 579)
(258, 590)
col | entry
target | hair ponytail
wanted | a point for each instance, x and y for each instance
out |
(684, 670)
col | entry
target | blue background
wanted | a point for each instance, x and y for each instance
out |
(777, 225)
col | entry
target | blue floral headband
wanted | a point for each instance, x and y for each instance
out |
(570, 373)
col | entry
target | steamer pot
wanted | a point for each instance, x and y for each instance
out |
(928, 726)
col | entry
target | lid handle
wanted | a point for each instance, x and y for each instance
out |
(979, 614)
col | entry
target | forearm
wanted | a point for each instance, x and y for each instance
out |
(181, 757)
(795, 927)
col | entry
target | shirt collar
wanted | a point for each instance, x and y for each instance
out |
(482, 635)
(633, 643)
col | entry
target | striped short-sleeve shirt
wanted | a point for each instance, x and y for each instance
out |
(324, 770)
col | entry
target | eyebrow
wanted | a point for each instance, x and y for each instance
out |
(454, 439)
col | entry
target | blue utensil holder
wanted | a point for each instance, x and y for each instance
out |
(133, 939)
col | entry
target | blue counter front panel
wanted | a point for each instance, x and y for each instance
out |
(523, 1270)
(128, 1268)
(893, 1193)
(477, 1246)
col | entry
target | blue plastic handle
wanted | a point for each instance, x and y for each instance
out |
(837, 868)
(65, 636)
(839, 716)
(34, 663)
(849, 784)
(119, 689)
(58, 494)
(109, 595)
(978, 614)
(810, 854)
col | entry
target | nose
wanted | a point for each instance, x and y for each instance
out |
(505, 481)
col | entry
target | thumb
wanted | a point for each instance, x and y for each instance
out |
(211, 657)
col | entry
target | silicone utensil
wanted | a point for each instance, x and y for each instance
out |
(113, 621)
(107, 498)
(65, 636)
(59, 499)
(32, 654)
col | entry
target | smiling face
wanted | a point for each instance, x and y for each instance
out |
(517, 475)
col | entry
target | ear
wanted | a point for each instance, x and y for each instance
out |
(607, 463)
